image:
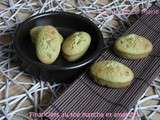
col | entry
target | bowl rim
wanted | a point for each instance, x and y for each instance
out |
(52, 66)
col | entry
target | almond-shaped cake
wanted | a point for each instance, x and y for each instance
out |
(75, 46)
(133, 46)
(111, 73)
(48, 44)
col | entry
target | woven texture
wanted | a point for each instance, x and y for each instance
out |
(86, 96)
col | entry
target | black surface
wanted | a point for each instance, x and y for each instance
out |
(66, 23)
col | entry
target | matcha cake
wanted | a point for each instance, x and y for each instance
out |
(133, 46)
(75, 46)
(111, 73)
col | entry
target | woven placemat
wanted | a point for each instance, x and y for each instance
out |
(84, 96)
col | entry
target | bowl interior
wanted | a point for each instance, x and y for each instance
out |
(66, 24)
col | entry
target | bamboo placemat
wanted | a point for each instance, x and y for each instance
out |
(84, 96)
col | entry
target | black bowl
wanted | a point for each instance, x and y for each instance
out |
(66, 23)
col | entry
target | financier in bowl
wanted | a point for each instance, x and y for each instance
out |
(75, 46)
(47, 42)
